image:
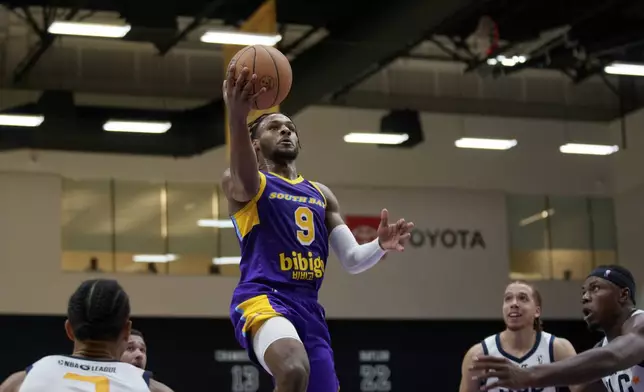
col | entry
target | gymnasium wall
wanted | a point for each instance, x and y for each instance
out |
(629, 195)
(455, 191)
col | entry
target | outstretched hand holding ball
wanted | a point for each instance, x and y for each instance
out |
(258, 77)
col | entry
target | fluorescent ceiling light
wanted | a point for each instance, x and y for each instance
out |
(154, 258)
(485, 144)
(537, 217)
(21, 120)
(239, 38)
(220, 223)
(89, 29)
(625, 69)
(376, 138)
(588, 149)
(226, 260)
(137, 126)
(507, 61)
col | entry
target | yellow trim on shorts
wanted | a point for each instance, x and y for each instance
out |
(255, 311)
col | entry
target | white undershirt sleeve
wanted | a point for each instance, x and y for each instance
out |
(354, 258)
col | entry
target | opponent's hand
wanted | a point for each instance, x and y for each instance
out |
(507, 373)
(238, 93)
(394, 236)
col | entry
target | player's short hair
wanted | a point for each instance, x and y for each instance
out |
(536, 297)
(136, 332)
(98, 310)
(253, 127)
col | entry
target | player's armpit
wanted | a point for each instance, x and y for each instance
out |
(240, 188)
(13, 383)
(156, 386)
(467, 384)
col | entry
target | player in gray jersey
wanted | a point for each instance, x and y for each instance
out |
(523, 342)
(614, 365)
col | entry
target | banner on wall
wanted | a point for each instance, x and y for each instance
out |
(365, 229)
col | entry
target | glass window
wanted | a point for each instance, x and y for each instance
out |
(559, 237)
(191, 237)
(87, 226)
(527, 222)
(227, 263)
(141, 227)
(150, 228)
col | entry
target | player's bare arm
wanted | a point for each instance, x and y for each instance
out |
(620, 353)
(241, 181)
(156, 386)
(467, 383)
(13, 383)
(357, 258)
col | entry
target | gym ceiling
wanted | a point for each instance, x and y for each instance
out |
(418, 54)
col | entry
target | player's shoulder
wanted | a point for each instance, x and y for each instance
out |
(325, 190)
(476, 349)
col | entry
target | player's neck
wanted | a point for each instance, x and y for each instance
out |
(520, 340)
(615, 329)
(95, 350)
(286, 170)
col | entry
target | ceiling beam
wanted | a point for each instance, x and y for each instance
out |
(355, 50)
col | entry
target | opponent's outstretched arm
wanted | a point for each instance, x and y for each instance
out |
(357, 258)
(241, 181)
(620, 353)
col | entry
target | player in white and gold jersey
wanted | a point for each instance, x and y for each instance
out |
(98, 321)
(614, 365)
(523, 342)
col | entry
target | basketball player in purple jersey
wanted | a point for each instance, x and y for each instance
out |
(285, 225)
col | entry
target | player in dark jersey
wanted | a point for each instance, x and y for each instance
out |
(285, 224)
(98, 321)
(615, 364)
(136, 353)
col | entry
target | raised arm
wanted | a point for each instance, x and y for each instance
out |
(241, 181)
(620, 353)
(13, 383)
(467, 383)
(357, 258)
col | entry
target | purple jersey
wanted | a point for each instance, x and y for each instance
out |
(282, 234)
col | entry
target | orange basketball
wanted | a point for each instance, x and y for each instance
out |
(273, 71)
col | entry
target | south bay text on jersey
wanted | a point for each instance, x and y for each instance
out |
(282, 233)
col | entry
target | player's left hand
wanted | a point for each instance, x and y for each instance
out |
(394, 236)
(508, 374)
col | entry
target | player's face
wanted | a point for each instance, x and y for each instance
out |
(278, 140)
(136, 352)
(519, 308)
(600, 302)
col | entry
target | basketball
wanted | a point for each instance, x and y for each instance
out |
(273, 71)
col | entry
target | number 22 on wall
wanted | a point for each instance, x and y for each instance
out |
(101, 383)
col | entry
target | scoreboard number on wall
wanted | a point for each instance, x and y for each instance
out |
(244, 375)
(374, 371)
